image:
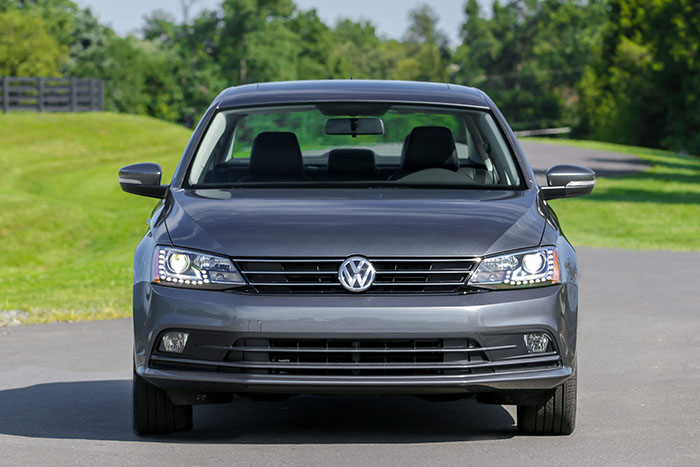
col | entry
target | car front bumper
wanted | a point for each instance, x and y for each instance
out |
(492, 320)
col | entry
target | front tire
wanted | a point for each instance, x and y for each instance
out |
(154, 413)
(553, 415)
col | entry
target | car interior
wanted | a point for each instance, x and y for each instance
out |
(428, 155)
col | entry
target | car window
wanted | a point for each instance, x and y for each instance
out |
(309, 127)
(406, 145)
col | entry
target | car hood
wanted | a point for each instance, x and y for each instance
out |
(342, 222)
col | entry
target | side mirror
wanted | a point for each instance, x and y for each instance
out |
(567, 181)
(143, 179)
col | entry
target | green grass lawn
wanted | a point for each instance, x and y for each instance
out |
(655, 209)
(67, 231)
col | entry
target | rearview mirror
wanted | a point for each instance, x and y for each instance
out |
(567, 181)
(354, 126)
(143, 179)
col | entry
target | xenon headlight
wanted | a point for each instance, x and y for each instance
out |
(183, 268)
(532, 268)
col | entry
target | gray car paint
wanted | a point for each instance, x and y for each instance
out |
(486, 316)
(342, 222)
(338, 223)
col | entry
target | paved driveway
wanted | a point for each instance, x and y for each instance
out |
(542, 156)
(65, 395)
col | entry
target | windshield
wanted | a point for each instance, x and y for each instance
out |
(354, 144)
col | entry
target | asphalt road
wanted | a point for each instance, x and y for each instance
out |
(65, 395)
(542, 156)
(65, 389)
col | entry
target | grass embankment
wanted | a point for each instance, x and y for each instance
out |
(655, 209)
(67, 231)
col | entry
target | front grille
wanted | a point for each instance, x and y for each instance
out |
(353, 357)
(394, 275)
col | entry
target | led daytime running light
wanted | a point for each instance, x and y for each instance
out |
(533, 268)
(194, 270)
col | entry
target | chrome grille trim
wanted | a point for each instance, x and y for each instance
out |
(333, 260)
(393, 275)
(376, 284)
(295, 272)
(426, 284)
(379, 271)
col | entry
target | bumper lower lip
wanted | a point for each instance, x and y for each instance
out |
(516, 380)
(551, 357)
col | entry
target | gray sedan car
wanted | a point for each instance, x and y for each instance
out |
(344, 237)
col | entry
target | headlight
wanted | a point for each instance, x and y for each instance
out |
(533, 268)
(182, 268)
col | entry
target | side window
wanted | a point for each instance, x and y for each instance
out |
(462, 150)
(232, 141)
(242, 139)
(464, 143)
(211, 138)
(498, 153)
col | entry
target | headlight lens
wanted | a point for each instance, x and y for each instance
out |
(182, 268)
(532, 268)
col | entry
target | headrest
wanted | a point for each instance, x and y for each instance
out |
(276, 154)
(428, 147)
(351, 161)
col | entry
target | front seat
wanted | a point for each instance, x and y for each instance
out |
(428, 147)
(275, 156)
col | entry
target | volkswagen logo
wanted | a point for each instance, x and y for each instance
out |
(356, 274)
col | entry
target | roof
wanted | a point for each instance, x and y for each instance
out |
(348, 90)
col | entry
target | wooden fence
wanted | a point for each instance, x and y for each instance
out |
(51, 94)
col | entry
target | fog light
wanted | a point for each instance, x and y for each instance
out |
(537, 342)
(174, 342)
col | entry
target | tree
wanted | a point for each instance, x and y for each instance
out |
(26, 47)
(193, 48)
(272, 54)
(427, 48)
(255, 42)
(140, 77)
(596, 65)
(529, 56)
(644, 88)
(89, 40)
(58, 15)
(360, 53)
(316, 58)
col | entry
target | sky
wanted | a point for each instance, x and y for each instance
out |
(389, 16)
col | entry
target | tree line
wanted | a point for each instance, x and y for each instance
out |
(616, 70)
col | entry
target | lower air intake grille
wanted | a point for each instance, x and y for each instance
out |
(358, 357)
